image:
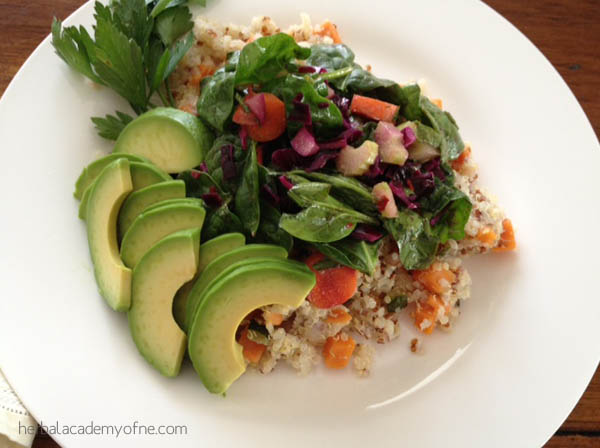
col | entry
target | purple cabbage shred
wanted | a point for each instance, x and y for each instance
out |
(304, 143)
(320, 161)
(367, 233)
(408, 136)
(257, 106)
(286, 182)
(286, 159)
(399, 192)
(306, 69)
(271, 195)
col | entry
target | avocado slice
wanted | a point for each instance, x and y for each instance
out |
(177, 201)
(162, 270)
(107, 194)
(208, 252)
(219, 264)
(140, 200)
(172, 139)
(142, 175)
(212, 347)
(154, 224)
(91, 172)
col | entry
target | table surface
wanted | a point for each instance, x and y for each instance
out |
(567, 32)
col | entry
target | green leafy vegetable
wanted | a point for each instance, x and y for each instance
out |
(325, 264)
(452, 145)
(352, 253)
(412, 108)
(247, 205)
(201, 183)
(347, 190)
(318, 224)
(111, 126)
(357, 80)
(132, 52)
(216, 101)
(220, 221)
(416, 241)
(327, 121)
(455, 208)
(269, 230)
(397, 304)
(173, 23)
(267, 57)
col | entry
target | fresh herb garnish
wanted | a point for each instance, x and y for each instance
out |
(136, 46)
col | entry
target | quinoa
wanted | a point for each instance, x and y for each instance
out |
(299, 335)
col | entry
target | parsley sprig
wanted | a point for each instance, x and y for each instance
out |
(136, 46)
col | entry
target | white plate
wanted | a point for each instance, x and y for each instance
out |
(520, 356)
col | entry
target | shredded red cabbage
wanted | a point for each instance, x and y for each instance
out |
(320, 161)
(304, 143)
(306, 69)
(408, 136)
(203, 167)
(301, 111)
(375, 170)
(228, 162)
(333, 144)
(286, 159)
(399, 192)
(195, 174)
(435, 166)
(271, 195)
(257, 106)
(286, 182)
(367, 233)
(212, 198)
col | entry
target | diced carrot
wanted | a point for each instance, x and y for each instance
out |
(329, 29)
(507, 238)
(203, 72)
(373, 108)
(487, 236)
(334, 285)
(259, 154)
(435, 279)
(429, 310)
(253, 351)
(339, 316)
(273, 318)
(438, 102)
(458, 163)
(189, 108)
(242, 117)
(274, 124)
(338, 351)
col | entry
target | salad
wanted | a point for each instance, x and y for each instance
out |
(282, 203)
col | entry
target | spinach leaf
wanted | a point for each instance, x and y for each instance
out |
(318, 224)
(359, 80)
(269, 231)
(412, 107)
(452, 145)
(428, 135)
(455, 208)
(347, 190)
(213, 160)
(327, 121)
(417, 243)
(247, 205)
(267, 57)
(215, 104)
(352, 253)
(200, 184)
(317, 193)
(220, 221)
